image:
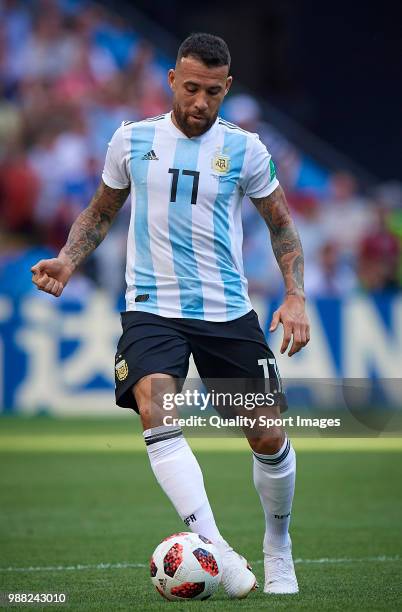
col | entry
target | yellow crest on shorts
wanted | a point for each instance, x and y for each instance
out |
(121, 370)
(221, 163)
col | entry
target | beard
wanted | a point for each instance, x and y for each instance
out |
(190, 128)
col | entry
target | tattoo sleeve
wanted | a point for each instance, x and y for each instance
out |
(92, 225)
(285, 239)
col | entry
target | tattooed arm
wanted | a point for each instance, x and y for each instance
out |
(284, 239)
(288, 251)
(92, 225)
(87, 232)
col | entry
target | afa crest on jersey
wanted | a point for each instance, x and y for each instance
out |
(121, 370)
(221, 163)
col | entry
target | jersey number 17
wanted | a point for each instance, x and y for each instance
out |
(175, 179)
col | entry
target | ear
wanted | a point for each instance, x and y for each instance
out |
(229, 82)
(171, 76)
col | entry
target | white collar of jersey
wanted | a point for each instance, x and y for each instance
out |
(178, 133)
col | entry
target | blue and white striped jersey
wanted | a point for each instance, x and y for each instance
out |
(184, 248)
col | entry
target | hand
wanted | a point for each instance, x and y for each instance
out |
(295, 322)
(52, 275)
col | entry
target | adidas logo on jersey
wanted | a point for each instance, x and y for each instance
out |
(150, 155)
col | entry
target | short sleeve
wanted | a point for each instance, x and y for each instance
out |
(114, 172)
(260, 180)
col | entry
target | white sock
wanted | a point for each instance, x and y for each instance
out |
(179, 474)
(274, 479)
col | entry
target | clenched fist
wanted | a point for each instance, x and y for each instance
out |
(52, 275)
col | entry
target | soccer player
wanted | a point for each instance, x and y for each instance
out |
(188, 171)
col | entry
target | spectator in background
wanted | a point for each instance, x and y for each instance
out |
(50, 48)
(328, 276)
(19, 189)
(43, 158)
(378, 256)
(391, 194)
(307, 215)
(10, 124)
(145, 82)
(61, 161)
(79, 83)
(15, 28)
(346, 216)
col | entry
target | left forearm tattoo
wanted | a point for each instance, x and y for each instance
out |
(285, 239)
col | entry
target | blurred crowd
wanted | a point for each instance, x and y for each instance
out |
(70, 72)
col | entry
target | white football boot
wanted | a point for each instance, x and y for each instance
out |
(280, 577)
(237, 578)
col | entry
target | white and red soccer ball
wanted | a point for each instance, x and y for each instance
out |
(186, 566)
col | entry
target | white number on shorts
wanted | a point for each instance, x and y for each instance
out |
(264, 364)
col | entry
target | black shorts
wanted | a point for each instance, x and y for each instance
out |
(234, 349)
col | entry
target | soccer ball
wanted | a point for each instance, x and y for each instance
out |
(186, 566)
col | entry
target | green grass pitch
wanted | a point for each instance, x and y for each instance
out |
(81, 513)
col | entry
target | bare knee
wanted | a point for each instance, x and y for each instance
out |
(149, 395)
(269, 442)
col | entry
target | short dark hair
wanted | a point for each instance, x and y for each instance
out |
(211, 50)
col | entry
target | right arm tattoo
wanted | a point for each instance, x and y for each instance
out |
(92, 225)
